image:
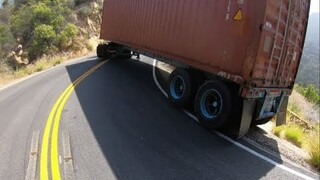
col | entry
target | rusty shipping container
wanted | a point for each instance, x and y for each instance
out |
(256, 44)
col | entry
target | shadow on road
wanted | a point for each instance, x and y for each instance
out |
(257, 136)
(143, 137)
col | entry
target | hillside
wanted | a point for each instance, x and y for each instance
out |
(309, 67)
(31, 29)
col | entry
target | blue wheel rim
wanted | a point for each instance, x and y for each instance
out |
(211, 104)
(177, 87)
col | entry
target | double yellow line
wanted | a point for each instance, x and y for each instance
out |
(54, 118)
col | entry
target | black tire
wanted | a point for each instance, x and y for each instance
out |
(261, 121)
(180, 88)
(126, 54)
(102, 51)
(212, 104)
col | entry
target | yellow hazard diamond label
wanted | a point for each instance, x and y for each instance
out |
(238, 15)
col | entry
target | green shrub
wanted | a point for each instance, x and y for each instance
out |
(44, 36)
(37, 23)
(294, 133)
(79, 2)
(20, 22)
(7, 41)
(310, 92)
(70, 30)
(67, 36)
(85, 12)
(278, 130)
(58, 22)
(42, 14)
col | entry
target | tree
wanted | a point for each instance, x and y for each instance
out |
(35, 17)
(43, 41)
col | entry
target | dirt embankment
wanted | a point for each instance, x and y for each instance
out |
(309, 111)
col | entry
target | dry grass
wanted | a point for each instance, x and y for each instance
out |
(299, 105)
(57, 61)
(278, 130)
(92, 43)
(7, 75)
(295, 108)
(309, 140)
(292, 133)
(312, 145)
(38, 66)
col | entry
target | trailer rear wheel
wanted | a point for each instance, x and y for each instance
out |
(102, 51)
(180, 87)
(213, 104)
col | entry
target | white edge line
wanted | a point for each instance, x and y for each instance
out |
(231, 140)
(263, 157)
(251, 142)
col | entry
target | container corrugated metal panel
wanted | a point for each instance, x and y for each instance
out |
(205, 35)
(281, 42)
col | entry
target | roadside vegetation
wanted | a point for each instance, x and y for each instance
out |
(38, 34)
(292, 133)
(300, 130)
(302, 133)
(310, 92)
(34, 32)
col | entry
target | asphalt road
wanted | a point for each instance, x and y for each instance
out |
(120, 127)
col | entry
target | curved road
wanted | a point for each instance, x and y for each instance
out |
(117, 125)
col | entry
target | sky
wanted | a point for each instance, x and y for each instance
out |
(314, 6)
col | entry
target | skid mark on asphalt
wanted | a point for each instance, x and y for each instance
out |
(231, 140)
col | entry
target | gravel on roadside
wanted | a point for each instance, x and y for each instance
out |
(262, 136)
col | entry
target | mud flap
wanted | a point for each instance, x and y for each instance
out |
(282, 114)
(247, 113)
